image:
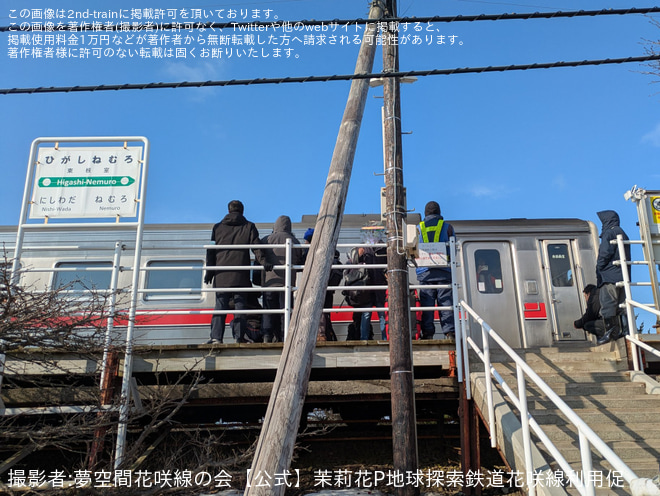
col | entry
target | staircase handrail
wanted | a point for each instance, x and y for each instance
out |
(572, 475)
(587, 437)
(642, 344)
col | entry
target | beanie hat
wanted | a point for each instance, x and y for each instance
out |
(308, 235)
(432, 208)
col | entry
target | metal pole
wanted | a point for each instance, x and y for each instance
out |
(489, 388)
(466, 353)
(527, 440)
(404, 422)
(20, 233)
(630, 314)
(111, 309)
(457, 308)
(287, 285)
(128, 356)
(587, 465)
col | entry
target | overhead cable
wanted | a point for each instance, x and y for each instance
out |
(191, 24)
(314, 79)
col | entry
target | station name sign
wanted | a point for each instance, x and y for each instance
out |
(86, 182)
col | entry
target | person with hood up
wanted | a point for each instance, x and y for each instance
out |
(233, 229)
(434, 229)
(272, 327)
(608, 274)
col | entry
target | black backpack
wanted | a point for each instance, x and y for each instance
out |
(357, 276)
(252, 331)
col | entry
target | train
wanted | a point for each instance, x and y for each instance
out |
(525, 277)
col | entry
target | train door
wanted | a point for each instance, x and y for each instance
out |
(560, 273)
(492, 290)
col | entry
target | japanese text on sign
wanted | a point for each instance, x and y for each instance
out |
(86, 182)
(432, 255)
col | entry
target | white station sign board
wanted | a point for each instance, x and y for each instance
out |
(86, 182)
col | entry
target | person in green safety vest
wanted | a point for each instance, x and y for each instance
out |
(434, 229)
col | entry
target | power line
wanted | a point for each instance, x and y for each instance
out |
(343, 22)
(314, 79)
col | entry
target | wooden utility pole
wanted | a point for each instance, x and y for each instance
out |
(280, 426)
(404, 421)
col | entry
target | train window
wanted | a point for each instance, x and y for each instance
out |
(184, 274)
(489, 271)
(86, 276)
(561, 272)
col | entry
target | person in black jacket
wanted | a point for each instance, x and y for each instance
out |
(234, 229)
(608, 274)
(591, 320)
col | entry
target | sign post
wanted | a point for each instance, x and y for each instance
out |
(98, 178)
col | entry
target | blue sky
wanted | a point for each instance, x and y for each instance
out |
(543, 143)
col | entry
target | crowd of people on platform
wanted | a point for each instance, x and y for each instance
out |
(603, 316)
(237, 285)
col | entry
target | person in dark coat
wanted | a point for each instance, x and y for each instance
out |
(359, 297)
(434, 229)
(608, 274)
(378, 296)
(591, 320)
(272, 327)
(234, 229)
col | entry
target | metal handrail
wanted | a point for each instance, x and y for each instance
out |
(587, 437)
(642, 344)
(630, 303)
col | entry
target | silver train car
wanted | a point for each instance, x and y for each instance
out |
(524, 277)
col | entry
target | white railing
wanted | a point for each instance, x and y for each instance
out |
(631, 304)
(587, 437)
(170, 296)
(289, 287)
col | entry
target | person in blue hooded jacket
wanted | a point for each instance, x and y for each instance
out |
(434, 229)
(608, 274)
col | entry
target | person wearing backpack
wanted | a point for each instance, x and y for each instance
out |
(434, 229)
(357, 277)
(377, 277)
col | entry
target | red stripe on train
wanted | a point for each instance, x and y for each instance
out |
(535, 311)
(169, 319)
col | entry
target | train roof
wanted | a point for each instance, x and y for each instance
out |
(356, 221)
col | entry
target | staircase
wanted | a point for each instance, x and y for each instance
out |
(595, 383)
